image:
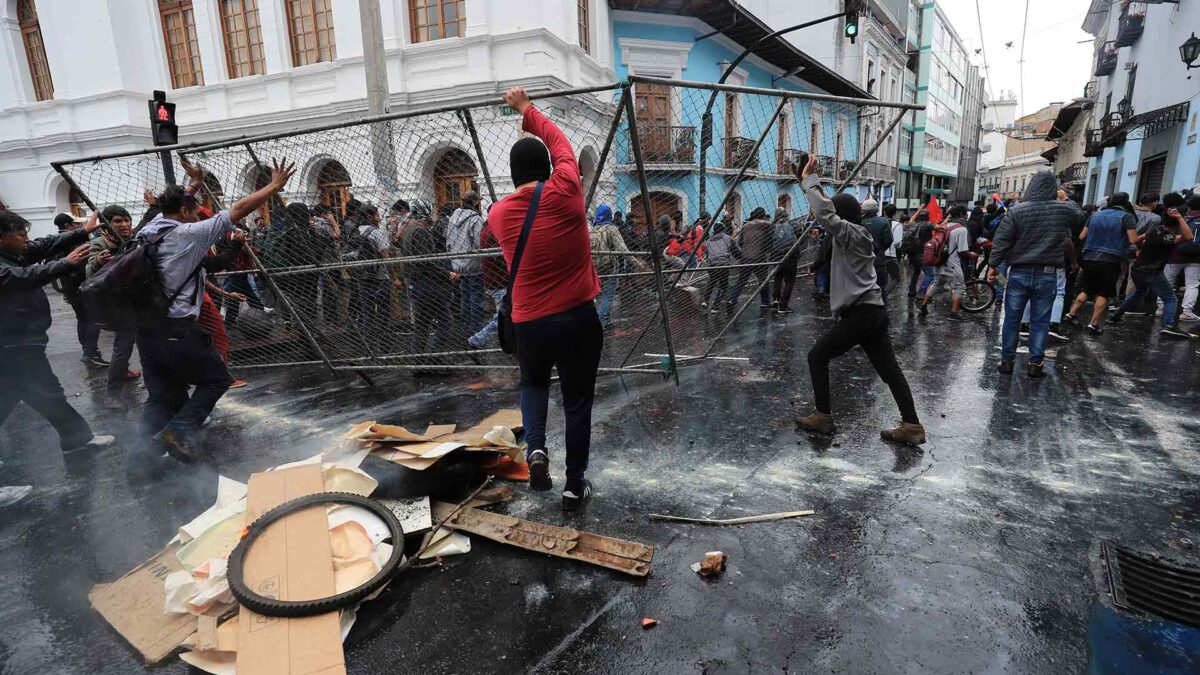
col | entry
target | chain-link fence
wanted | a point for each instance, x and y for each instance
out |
(377, 254)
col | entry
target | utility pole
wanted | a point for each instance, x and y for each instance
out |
(383, 152)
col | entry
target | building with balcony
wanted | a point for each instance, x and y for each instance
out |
(1140, 134)
(1069, 133)
(239, 67)
(697, 42)
(1025, 153)
(972, 138)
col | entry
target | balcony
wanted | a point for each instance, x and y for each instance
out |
(1131, 24)
(1073, 173)
(826, 164)
(1106, 60)
(846, 168)
(1093, 143)
(668, 145)
(787, 162)
(738, 150)
(1090, 92)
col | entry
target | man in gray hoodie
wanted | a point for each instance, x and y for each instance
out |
(462, 236)
(857, 302)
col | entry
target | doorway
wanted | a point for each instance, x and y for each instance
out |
(661, 204)
(653, 106)
(1151, 176)
(454, 175)
(333, 186)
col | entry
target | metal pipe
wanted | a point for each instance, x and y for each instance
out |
(612, 133)
(712, 86)
(487, 176)
(104, 224)
(636, 147)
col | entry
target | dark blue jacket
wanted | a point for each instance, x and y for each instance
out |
(24, 308)
(1106, 232)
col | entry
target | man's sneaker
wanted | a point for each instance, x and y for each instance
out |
(1006, 366)
(175, 447)
(1070, 320)
(94, 360)
(1097, 330)
(785, 310)
(238, 384)
(1174, 331)
(764, 306)
(821, 423)
(95, 442)
(539, 471)
(704, 305)
(906, 433)
(1057, 333)
(714, 310)
(1115, 318)
(774, 304)
(956, 316)
(1035, 370)
(472, 343)
(923, 308)
(1188, 315)
(575, 496)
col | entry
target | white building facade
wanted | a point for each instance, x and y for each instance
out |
(77, 73)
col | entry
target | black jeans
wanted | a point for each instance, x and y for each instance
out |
(866, 326)
(122, 351)
(174, 358)
(718, 280)
(570, 341)
(782, 286)
(25, 375)
(87, 332)
(760, 275)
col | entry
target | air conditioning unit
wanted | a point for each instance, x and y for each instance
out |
(989, 127)
(986, 147)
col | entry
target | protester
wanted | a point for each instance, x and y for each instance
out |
(723, 251)
(857, 303)
(1155, 246)
(428, 281)
(757, 242)
(373, 299)
(554, 319)
(606, 237)
(1145, 210)
(87, 332)
(1031, 243)
(880, 228)
(462, 236)
(101, 252)
(332, 282)
(893, 251)
(25, 375)
(175, 352)
(954, 256)
(1185, 260)
(300, 244)
(784, 280)
(495, 282)
(1106, 238)
(920, 231)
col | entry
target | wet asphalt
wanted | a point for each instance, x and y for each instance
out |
(979, 554)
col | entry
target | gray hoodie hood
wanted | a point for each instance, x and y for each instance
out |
(1043, 187)
(462, 236)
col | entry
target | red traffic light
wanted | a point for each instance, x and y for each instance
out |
(162, 113)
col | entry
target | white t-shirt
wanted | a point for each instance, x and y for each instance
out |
(897, 236)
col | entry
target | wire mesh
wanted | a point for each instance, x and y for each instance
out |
(377, 255)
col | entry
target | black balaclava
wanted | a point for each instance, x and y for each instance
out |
(529, 161)
(847, 207)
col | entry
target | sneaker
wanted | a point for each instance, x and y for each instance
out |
(133, 374)
(539, 471)
(1097, 330)
(906, 433)
(714, 310)
(775, 304)
(1035, 370)
(575, 496)
(175, 446)
(785, 310)
(1056, 332)
(704, 305)
(1006, 366)
(95, 442)
(472, 343)
(762, 306)
(1174, 331)
(819, 422)
(96, 360)
(1070, 320)
(923, 309)
(1115, 318)
(955, 316)
(1188, 315)
(238, 384)
(114, 402)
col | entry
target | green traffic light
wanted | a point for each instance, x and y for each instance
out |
(851, 29)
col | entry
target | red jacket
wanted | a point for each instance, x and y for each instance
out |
(556, 272)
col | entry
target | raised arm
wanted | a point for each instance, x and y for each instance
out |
(280, 173)
(566, 167)
(820, 205)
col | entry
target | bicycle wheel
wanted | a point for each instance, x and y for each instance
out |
(979, 296)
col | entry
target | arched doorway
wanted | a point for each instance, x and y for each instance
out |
(213, 195)
(661, 203)
(77, 204)
(333, 186)
(454, 175)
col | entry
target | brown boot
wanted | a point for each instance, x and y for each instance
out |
(820, 422)
(908, 434)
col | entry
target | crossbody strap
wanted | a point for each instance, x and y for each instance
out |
(520, 252)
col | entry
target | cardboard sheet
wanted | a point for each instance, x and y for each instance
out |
(133, 606)
(510, 418)
(292, 560)
(436, 431)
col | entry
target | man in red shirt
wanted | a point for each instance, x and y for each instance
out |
(554, 319)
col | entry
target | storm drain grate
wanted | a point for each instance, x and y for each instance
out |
(1147, 583)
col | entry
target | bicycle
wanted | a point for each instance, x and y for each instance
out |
(980, 294)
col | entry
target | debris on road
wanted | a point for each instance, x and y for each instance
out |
(712, 565)
(616, 554)
(733, 521)
(649, 623)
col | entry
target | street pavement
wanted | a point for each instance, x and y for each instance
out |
(979, 554)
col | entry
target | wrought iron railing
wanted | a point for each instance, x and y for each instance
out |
(1075, 172)
(738, 150)
(1131, 24)
(663, 144)
(787, 161)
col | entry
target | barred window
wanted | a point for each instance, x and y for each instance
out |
(437, 19)
(310, 25)
(179, 37)
(584, 27)
(35, 50)
(243, 38)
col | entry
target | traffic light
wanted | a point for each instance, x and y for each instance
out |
(162, 120)
(853, 9)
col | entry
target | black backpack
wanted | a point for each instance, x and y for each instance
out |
(128, 291)
(360, 246)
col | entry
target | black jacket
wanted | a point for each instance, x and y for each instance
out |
(1036, 231)
(880, 228)
(24, 308)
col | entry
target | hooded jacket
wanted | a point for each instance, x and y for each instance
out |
(24, 308)
(1036, 231)
(462, 236)
(722, 249)
(852, 278)
(757, 240)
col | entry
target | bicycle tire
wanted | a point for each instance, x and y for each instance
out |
(979, 296)
(268, 606)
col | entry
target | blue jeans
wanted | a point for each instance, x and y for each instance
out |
(822, 276)
(608, 289)
(1155, 283)
(1034, 286)
(470, 303)
(483, 338)
(930, 273)
(1060, 294)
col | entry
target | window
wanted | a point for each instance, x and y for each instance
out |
(179, 37)
(584, 33)
(243, 38)
(732, 112)
(35, 50)
(310, 24)
(437, 19)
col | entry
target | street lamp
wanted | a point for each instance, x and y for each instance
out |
(1190, 50)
